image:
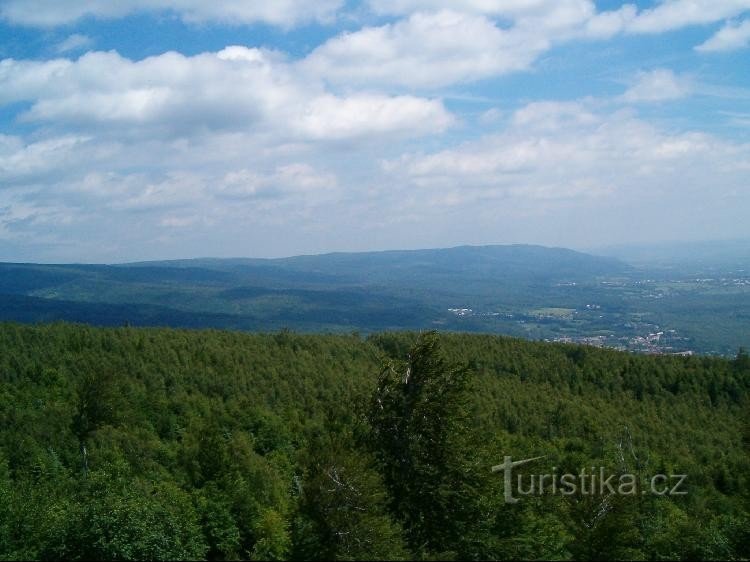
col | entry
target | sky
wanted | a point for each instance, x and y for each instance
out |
(159, 129)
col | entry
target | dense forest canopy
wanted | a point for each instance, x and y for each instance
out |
(131, 443)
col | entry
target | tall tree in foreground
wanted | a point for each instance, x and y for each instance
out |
(418, 419)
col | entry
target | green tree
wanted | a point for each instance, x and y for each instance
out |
(420, 435)
(343, 513)
(94, 407)
(272, 538)
(121, 519)
(6, 509)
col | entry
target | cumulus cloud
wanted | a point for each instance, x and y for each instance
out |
(278, 12)
(176, 142)
(99, 189)
(667, 15)
(192, 189)
(506, 8)
(110, 214)
(675, 14)
(544, 159)
(565, 150)
(295, 178)
(425, 50)
(169, 91)
(40, 160)
(733, 36)
(438, 43)
(657, 85)
(211, 150)
(331, 117)
(174, 95)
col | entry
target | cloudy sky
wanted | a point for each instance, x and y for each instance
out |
(151, 129)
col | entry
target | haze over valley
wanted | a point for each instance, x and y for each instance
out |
(534, 292)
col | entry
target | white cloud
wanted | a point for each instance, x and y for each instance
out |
(504, 9)
(554, 150)
(169, 192)
(277, 12)
(289, 178)
(169, 89)
(128, 149)
(425, 50)
(733, 36)
(552, 116)
(226, 192)
(657, 85)
(236, 89)
(667, 15)
(491, 116)
(438, 43)
(234, 140)
(675, 14)
(107, 215)
(331, 117)
(42, 159)
(246, 145)
(74, 42)
(604, 25)
(197, 190)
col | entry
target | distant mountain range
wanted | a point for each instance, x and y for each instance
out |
(516, 262)
(523, 290)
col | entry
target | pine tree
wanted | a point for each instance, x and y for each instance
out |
(419, 432)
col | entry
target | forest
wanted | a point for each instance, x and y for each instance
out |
(159, 443)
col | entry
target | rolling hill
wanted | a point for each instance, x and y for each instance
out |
(529, 291)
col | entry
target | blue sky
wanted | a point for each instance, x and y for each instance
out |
(160, 129)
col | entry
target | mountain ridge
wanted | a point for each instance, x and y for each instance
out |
(522, 290)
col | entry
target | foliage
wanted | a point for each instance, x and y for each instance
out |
(222, 445)
(419, 420)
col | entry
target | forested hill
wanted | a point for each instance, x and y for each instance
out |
(134, 443)
(513, 261)
(533, 292)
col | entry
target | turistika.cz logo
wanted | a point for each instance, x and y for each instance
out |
(588, 482)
